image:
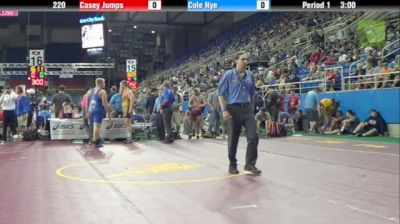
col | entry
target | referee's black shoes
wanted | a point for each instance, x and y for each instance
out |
(252, 169)
(233, 170)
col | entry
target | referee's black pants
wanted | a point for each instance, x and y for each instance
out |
(242, 115)
(9, 120)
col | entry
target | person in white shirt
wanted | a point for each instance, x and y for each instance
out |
(7, 102)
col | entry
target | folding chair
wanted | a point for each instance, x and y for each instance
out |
(141, 128)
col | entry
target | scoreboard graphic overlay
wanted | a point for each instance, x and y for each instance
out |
(193, 5)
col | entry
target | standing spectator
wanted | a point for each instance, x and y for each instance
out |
(196, 104)
(273, 103)
(215, 119)
(151, 99)
(116, 104)
(22, 109)
(7, 103)
(236, 96)
(166, 111)
(113, 91)
(293, 103)
(157, 116)
(58, 99)
(312, 109)
(176, 113)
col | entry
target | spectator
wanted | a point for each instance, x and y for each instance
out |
(7, 102)
(66, 111)
(327, 109)
(58, 99)
(373, 126)
(22, 109)
(116, 104)
(151, 99)
(176, 114)
(215, 118)
(166, 111)
(196, 103)
(293, 103)
(311, 108)
(348, 125)
(273, 103)
(113, 90)
(263, 119)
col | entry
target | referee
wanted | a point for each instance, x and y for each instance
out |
(236, 96)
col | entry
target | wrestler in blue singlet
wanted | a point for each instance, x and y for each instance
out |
(96, 108)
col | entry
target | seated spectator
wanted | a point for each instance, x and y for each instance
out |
(355, 55)
(375, 125)
(287, 122)
(263, 119)
(396, 77)
(66, 111)
(384, 77)
(335, 121)
(349, 124)
(329, 59)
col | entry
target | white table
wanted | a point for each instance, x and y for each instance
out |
(68, 129)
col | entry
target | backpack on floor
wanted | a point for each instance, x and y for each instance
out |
(30, 135)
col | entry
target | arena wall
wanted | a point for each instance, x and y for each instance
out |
(386, 101)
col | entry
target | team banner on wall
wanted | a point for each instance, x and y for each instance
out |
(69, 129)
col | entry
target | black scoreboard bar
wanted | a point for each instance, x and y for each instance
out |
(195, 5)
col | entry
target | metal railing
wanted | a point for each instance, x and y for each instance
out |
(301, 87)
(305, 86)
(387, 46)
(354, 63)
(369, 79)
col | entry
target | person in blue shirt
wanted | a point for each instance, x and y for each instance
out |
(22, 109)
(236, 95)
(116, 104)
(166, 111)
(98, 107)
(157, 116)
(311, 108)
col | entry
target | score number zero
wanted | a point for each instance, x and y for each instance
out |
(59, 5)
(264, 5)
(154, 5)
